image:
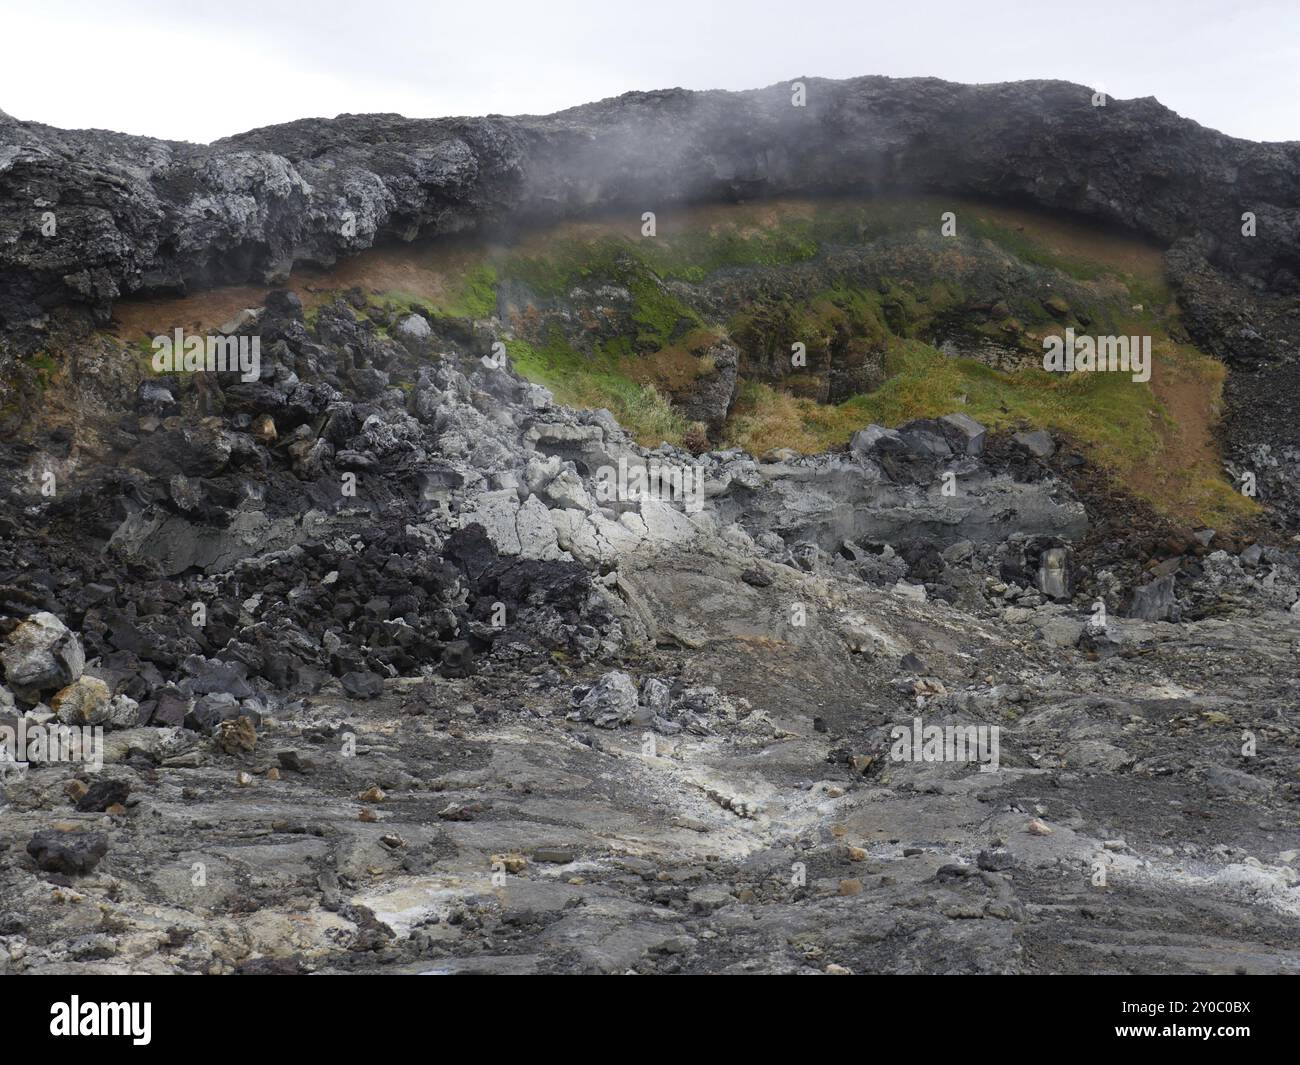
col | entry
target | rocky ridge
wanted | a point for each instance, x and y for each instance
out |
(139, 215)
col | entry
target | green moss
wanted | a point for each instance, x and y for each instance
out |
(397, 301)
(660, 316)
(1026, 247)
(854, 318)
(477, 297)
(1106, 409)
(474, 296)
(696, 255)
(565, 264)
(1153, 294)
(1119, 421)
(45, 368)
(579, 381)
(691, 256)
(144, 353)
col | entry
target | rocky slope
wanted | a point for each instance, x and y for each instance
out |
(88, 217)
(472, 719)
(391, 680)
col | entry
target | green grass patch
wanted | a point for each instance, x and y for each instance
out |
(580, 381)
(1107, 410)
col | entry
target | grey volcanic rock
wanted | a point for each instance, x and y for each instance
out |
(485, 661)
(713, 394)
(140, 215)
(40, 654)
(1153, 601)
(611, 700)
(1037, 443)
(965, 435)
(72, 853)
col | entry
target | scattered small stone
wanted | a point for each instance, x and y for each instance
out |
(995, 859)
(296, 761)
(72, 853)
(554, 855)
(362, 685)
(103, 794)
(237, 736)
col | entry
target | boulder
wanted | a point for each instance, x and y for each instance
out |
(964, 434)
(611, 701)
(362, 684)
(71, 853)
(86, 701)
(1154, 601)
(925, 439)
(414, 333)
(1037, 443)
(1053, 576)
(42, 654)
(876, 437)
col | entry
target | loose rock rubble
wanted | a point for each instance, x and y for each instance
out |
(468, 719)
(378, 678)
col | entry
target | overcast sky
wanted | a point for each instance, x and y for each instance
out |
(198, 70)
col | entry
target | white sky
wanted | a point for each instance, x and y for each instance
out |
(201, 69)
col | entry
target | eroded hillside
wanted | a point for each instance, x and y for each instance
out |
(695, 328)
(915, 657)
